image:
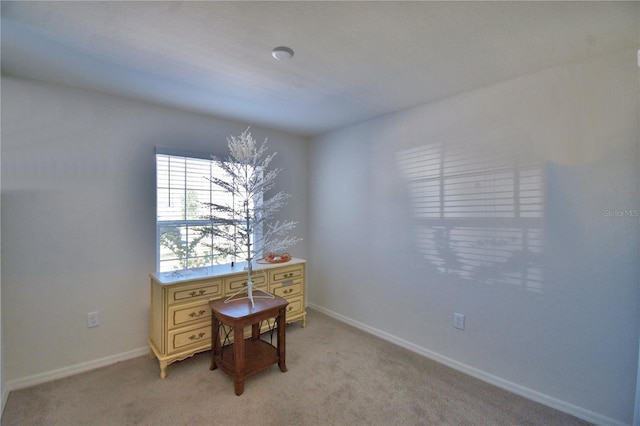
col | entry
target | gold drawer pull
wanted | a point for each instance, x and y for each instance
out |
(197, 314)
(199, 293)
(288, 291)
(290, 308)
(194, 337)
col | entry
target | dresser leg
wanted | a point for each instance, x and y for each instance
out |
(163, 369)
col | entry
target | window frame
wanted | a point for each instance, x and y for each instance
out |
(208, 258)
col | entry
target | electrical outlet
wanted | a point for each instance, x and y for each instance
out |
(93, 319)
(458, 321)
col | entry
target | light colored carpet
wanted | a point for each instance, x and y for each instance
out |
(338, 375)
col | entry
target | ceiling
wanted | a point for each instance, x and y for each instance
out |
(353, 60)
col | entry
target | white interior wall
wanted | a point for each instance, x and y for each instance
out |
(575, 340)
(636, 415)
(567, 334)
(78, 218)
(4, 393)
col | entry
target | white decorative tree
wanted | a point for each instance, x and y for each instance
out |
(246, 225)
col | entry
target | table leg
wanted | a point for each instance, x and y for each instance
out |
(238, 386)
(238, 353)
(281, 322)
(215, 341)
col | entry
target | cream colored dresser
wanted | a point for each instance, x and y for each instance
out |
(180, 314)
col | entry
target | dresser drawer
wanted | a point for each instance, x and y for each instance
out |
(287, 290)
(183, 314)
(183, 338)
(295, 306)
(286, 274)
(209, 289)
(237, 283)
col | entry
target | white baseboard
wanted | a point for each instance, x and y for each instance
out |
(5, 396)
(60, 373)
(531, 394)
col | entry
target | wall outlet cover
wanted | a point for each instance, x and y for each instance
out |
(93, 319)
(458, 321)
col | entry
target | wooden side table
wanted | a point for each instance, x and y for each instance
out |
(247, 356)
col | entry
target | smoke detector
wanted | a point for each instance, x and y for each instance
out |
(282, 53)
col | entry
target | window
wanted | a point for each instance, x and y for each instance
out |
(184, 194)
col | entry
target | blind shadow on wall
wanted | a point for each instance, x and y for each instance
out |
(478, 214)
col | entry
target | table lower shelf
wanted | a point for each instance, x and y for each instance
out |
(258, 355)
